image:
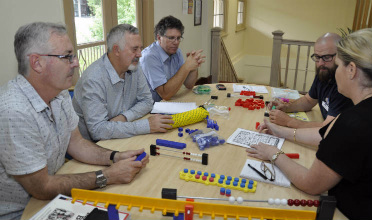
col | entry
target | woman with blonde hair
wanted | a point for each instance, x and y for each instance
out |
(343, 163)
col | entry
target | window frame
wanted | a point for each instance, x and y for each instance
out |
(242, 26)
(225, 17)
(144, 20)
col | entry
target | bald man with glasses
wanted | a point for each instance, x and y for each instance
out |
(163, 64)
(323, 92)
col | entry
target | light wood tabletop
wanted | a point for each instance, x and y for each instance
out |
(227, 159)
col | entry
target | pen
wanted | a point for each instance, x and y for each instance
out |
(258, 172)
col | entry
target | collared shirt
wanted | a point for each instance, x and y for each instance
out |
(100, 95)
(330, 101)
(32, 136)
(159, 67)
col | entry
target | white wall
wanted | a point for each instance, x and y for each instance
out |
(15, 13)
(298, 19)
(195, 37)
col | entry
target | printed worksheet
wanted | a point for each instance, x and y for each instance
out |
(246, 138)
(257, 89)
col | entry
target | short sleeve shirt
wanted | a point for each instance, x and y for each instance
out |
(158, 67)
(330, 101)
(32, 136)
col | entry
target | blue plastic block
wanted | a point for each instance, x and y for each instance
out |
(112, 212)
(140, 157)
(179, 217)
(185, 170)
(180, 134)
(171, 144)
(180, 129)
(192, 171)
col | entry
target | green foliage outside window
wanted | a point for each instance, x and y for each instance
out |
(126, 14)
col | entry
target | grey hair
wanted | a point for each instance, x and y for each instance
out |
(34, 38)
(117, 35)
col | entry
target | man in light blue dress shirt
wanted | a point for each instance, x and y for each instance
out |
(163, 64)
(112, 93)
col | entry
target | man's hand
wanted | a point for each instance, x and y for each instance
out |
(278, 105)
(160, 123)
(131, 153)
(279, 117)
(194, 60)
(122, 171)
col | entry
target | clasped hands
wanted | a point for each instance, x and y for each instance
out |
(195, 59)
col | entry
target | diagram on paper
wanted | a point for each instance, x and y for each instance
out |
(246, 138)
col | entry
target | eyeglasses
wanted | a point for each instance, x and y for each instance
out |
(325, 58)
(69, 57)
(173, 39)
(265, 170)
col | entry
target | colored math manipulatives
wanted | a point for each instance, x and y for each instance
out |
(189, 117)
(206, 138)
(251, 104)
(171, 144)
(219, 180)
(204, 157)
(140, 156)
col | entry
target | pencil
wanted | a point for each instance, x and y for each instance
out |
(258, 172)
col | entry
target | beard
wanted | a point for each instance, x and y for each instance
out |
(325, 74)
(133, 67)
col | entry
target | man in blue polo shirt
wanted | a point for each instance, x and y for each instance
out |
(323, 92)
(163, 64)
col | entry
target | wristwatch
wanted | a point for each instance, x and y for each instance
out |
(101, 180)
(275, 156)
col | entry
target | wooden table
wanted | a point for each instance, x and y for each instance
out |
(163, 172)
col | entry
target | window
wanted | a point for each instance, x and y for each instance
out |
(240, 19)
(89, 21)
(219, 14)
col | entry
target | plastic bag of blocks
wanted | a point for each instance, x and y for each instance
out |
(207, 138)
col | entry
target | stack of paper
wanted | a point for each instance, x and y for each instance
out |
(172, 107)
(249, 173)
(257, 89)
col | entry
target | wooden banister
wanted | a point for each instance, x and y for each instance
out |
(362, 16)
(222, 69)
(275, 74)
